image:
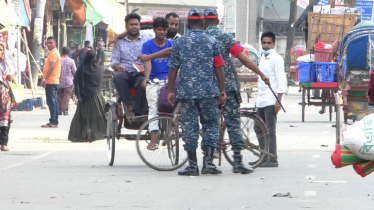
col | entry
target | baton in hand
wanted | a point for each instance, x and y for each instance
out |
(277, 98)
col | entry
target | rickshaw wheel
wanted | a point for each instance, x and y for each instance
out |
(169, 154)
(111, 134)
(251, 151)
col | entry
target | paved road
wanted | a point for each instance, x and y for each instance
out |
(45, 171)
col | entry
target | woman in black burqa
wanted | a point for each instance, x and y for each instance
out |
(89, 122)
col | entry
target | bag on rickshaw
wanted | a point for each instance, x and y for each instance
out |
(163, 104)
(359, 138)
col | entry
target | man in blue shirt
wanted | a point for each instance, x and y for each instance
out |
(155, 73)
(201, 84)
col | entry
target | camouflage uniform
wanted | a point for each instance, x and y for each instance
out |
(232, 107)
(198, 89)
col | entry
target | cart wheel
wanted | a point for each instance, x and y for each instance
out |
(303, 106)
(111, 134)
(254, 131)
(170, 154)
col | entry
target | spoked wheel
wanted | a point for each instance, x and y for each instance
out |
(111, 134)
(253, 130)
(169, 154)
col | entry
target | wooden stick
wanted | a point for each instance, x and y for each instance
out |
(277, 98)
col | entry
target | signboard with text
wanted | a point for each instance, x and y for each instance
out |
(163, 12)
(366, 9)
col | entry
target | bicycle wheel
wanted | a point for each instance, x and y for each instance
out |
(251, 152)
(170, 154)
(111, 134)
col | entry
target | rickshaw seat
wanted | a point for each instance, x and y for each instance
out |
(132, 92)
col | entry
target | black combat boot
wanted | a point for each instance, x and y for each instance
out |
(208, 165)
(192, 169)
(238, 165)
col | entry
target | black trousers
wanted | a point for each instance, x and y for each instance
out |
(126, 80)
(268, 115)
(4, 133)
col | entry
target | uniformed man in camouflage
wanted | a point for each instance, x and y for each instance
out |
(228, 45)
(197, 56)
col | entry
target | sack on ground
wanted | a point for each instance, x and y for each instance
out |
(359, 138)
(16, 93)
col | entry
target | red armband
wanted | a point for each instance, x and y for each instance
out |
(218, 61)
(236, 49)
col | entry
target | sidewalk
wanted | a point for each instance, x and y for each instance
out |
(26, 125)
(39, 92)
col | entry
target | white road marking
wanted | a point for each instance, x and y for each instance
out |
(35, 158)
(310, 193)
(326, 132)
(310, 177)
(328, 181)
(312, 166)
(316, 156)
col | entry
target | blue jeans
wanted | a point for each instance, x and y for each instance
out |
(51, 95)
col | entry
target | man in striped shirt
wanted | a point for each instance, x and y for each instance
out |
(65, 90)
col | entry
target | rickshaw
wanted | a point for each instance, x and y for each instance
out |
(170, 154)
(247, 78)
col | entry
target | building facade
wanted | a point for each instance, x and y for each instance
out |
(157, 8)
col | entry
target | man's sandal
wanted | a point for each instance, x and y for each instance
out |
(130, 115)
(152, 146)
(49, 125)
(4, 148)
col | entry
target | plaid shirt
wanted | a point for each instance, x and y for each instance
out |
(68, 69)
(126, 51)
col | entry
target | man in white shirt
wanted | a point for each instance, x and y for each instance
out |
(272, 65)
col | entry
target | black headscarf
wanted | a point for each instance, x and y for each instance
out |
(88, 78)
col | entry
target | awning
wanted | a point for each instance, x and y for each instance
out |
(7, 19)
(113, 13)
(84, 12)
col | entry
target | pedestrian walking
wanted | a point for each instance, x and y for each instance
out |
(75, 55)
(100, 55)
(89, 121)
(272, 65)
(51, 80)
(65, 89)
(228, 45)
(201, 84)
(7, 75)
(83, 52)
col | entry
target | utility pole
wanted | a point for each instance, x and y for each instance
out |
(290, 32)
(37, 31)
(127, 6)
(260, 25)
